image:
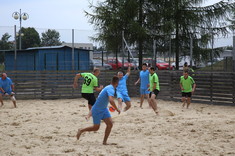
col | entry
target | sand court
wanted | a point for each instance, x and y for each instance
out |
(49, 127)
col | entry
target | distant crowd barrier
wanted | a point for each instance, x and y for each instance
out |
(212, 87)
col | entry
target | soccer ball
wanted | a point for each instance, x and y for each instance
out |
(111, 109)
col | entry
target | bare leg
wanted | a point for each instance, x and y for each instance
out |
(188, 101)
(14, 103)
(88, 115)
(141, 100)
(128, 105)
(154, 103)
(89, 107)
(109, 125)
(120, 104)
(12, 97)
(183, 100)
(88, 129)
(1, 100)
(148, 99)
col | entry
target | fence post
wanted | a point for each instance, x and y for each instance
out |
(211, 88)
(171, 85)
(233, 88)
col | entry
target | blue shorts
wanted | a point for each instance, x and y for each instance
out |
(125, 97)
(8, 92)
(99, 115)
(144, 91)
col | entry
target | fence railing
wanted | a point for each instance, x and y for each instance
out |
(212, 87)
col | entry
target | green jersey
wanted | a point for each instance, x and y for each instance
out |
(187, 84)
(154, 79)
(90, 81)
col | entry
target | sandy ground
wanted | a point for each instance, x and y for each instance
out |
(48, 127)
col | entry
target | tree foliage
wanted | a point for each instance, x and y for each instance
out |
(50, 38)
(5, 44)
(30, 38)
(163, 20)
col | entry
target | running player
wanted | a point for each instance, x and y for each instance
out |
(187, 86)
(90, 83)
(101, 112)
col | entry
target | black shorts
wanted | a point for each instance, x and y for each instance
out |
(188, 94)
(155, 91)
(90, 97)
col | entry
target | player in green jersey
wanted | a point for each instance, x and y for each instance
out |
(154, 88)
(90, 83)
(187, 85)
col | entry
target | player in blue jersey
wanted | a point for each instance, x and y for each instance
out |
(122, 92)
(144, 81)
(7, 89)
(101, 112)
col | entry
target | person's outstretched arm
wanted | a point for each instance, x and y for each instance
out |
(128, 70)
(99, 88)
(137, 81)
(75, 82)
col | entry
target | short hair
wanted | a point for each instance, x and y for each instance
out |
(115, 80)
(96, 70)
(144, 64)
(186, 71)
(120, 72)
(152, 68)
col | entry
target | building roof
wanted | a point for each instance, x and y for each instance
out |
(48, 47)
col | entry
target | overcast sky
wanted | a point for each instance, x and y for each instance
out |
(62, 15)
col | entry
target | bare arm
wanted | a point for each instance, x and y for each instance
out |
(194, 87)
(137, 81)
(75, 82)
(3, 91)
(128, 70)
(99, 88)
(181, 87)
(111, 100)
(13, 87)
(154, 85)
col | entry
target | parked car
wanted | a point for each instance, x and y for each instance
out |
(115, 66)
(160, 64)
(95, 63)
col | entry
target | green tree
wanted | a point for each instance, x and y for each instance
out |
(50, 38)
(5, 44)
(189, 19)
(29, 38)
(145, 20)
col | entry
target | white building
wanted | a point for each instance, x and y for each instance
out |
(87, 46)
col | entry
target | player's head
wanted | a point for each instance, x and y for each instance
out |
(151, 70)
(4, 76)
(115, 81)
(144, 66)
(120, 74)
(186, 74)
(96, 71)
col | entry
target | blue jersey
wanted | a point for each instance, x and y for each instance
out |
(144, 79)
(122, 84)
(103, 99)
(6, 84)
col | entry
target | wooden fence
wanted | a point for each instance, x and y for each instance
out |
(212, 87)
